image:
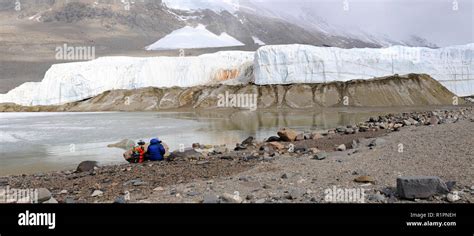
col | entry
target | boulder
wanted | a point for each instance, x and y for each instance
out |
(124, 144)
(273, 139)
(188, 153)
(43, 195)
(412, 187)
(87, 166)
(287, 135)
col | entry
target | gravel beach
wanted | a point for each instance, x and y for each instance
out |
(369, 156)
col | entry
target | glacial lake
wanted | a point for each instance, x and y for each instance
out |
(41, 142)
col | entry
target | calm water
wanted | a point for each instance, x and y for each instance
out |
(38, 142)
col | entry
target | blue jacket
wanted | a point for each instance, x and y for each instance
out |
(156, 151)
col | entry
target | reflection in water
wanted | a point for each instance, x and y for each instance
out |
(36, 142)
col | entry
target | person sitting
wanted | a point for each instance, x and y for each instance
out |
(156, 151)
(138, 153)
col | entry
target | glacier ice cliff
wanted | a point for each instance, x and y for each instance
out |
(275, 64)
(286, 64)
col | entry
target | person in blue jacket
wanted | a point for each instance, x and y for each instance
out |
(156, 151)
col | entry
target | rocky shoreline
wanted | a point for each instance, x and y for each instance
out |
(378, 156)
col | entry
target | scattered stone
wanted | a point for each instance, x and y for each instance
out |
(349, 131)
(43, 195)
(295, 193)
(260, 201)
(316, 135)
(433, 120)
(341, 129)
(377, 197)
(97, 193)
(365, 179)
(276, 145)
(420, 187)
(63, 191)
(377, 142)
(287, 135)
(220, 150)
(450, 185)
(86, 166)
(248, 141)
(397, 126)
(453, 197)
(363, 128)
(244, 179)
(314, 150)
(299, 137)
(320, 156)
(192, 193)
(406, 122)
(273, 139)
(158, 189)
(341, 147)
(52, 200)
(210, 199)
(120, 200)
(299, 149)
(203, 162)
(355, 144)
(69, 200)
(231, 198)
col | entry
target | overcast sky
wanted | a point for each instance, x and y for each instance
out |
(444, 22)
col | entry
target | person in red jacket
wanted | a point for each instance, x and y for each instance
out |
(138, 154)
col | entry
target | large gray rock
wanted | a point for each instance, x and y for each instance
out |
(43, 195)
(188, 153)
(412, 187)
(87, 166)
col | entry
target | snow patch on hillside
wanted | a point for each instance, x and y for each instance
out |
(258, 41)
(194, 37)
